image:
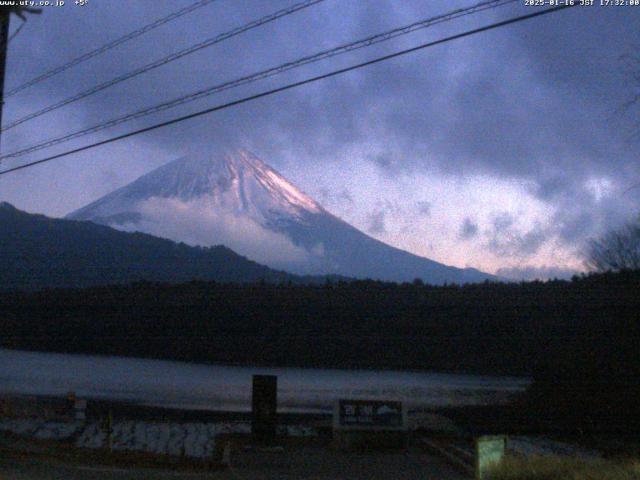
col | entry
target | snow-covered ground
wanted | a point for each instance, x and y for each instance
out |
(198, 439)
(165, 438)
(214, 387)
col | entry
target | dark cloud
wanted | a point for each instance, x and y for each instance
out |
(424, 208)
(584, 210)
(376, 222)
(508, 241)
(570, 226)
(325, 195)
(534, 103)
(550, 188)
(345, 196)
(468, 229)
(383, 160)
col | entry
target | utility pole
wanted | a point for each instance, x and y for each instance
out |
(5, 17)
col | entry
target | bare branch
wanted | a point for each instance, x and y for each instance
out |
(616, 250)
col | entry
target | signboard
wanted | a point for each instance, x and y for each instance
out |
(370, 415)
(489, 451)
(264, 403)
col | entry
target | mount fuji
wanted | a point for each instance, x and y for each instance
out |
(238, 200)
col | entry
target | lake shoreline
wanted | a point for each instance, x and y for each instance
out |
(188, 386)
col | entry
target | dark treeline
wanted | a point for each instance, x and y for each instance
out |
(482, 328)
(580, 340)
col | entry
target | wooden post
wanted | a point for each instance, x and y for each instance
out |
(110, 430)
(107, 427)
(264, 403)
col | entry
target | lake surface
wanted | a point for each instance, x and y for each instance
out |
(216, 387)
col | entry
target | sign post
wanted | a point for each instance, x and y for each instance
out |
(264, 403)
(106, 425)
(489, 452)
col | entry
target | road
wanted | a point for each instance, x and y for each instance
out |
(301, 463)
(29, 469)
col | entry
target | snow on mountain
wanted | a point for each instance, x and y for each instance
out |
(239, 201)
(241, 183)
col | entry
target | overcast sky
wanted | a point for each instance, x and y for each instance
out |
(504, 151)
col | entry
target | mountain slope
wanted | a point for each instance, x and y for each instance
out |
(239, 201)
(40, 252)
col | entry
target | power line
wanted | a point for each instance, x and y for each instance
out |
(163, 61)
(17, 31)
(110, 45)
(290, 86)
(5, 38)
(322, 55)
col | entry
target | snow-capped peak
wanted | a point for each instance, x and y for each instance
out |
(237, 200)
(246, 164)
(235, 182)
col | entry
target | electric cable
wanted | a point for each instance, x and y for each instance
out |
(108, 46)
(292, 85)
(322, 55)
(163, 61)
